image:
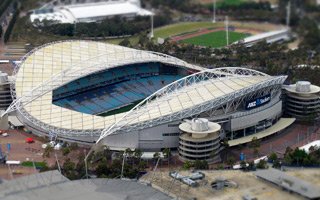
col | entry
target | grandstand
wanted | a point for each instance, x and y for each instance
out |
(116, 90)
(89, 92)
(270, 37)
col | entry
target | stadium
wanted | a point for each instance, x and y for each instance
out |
(91, 92)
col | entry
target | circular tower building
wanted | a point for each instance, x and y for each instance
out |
(199, 140)
(302, 100)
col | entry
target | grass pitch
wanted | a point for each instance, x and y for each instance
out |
(173, 30)
(181, 28)
(215, 39)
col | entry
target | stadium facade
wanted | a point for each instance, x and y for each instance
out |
(90, 92)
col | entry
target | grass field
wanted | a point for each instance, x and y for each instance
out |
(120, 110)
(186, 27)
(37, 164)
(233, 2)
(215, 39)
(173, 30)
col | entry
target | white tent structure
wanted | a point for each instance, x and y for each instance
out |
(91, 12)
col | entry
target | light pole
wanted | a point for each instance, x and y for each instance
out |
(151, 33)
(214, 12)
(288, 13)
(227, 30)
(122, 166)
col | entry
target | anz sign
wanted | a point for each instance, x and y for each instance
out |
(258, 102)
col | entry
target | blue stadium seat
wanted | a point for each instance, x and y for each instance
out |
(115, 88)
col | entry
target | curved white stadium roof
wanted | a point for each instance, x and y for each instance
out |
(56, 64)
(53, 65)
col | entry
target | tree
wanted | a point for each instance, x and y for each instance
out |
(276, 164)
(298, 156)
(143, 39)
(231, 160)
(125, 42)
(273, 157)
(68, 169)
(47, 151)
(262, 164)
(251, 166)
(80, 166)
(1, 31)
(243, 165)
(156, 156)
(187, 165)
(137, 154)
(107, 152)
(255, 145)
(201, 164)
(74, 146)
(128, 153)
(65, 151)
(167, 154)
(220, 166)
(102, 169)
(226, 145)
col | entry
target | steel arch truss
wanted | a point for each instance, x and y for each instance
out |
(129, 122)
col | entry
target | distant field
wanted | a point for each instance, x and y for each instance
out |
(233, 2)
(215, 39)
(190, 27)
(180, 28)
(173, 30)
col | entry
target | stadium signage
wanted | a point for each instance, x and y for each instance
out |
(258, 102)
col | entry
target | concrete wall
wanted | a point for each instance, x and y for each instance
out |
(4, 124)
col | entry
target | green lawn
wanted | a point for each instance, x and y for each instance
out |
(172, 30)
(120, 110)
(37, 164)
(180, 28)
(230, 3)
(215, 39)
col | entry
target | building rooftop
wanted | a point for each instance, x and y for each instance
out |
(87, 12)
(302, 88)
(263, 36)
(188, 127)
(52, 185)
(290, 183)
(106, 9)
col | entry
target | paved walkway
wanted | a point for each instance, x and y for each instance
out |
(295, 136)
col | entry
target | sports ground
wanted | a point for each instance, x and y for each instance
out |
(186, 30)
(208, 34)
(215, 39)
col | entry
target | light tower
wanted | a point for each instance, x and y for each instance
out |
(151, 32)
(227, 30)
(214, 12)
(288, 14)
